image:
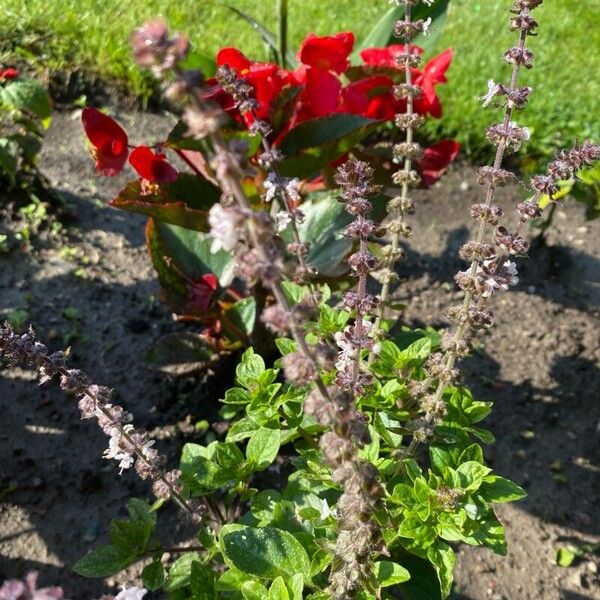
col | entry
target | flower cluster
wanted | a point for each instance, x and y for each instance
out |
(354, 178)
(377, 92)
(491, 268)
(129, 446)
(415, 97)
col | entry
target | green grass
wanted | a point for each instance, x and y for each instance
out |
(92, 35)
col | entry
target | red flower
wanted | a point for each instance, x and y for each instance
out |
(267, 79)
(436, 159)
(327, 53)
(321, 93)
(371, 97)
(386, 57)
(108, 139)
(152, 167)
(8, 73)
(201, 293)
(433, 73)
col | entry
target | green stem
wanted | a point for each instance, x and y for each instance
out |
(283, 32)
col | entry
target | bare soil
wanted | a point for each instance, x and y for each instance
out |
(540, 365)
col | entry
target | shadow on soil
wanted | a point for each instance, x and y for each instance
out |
(546, 436)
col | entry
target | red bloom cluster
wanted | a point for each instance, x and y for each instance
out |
(110, 149)
(8, 73)
(323, 60)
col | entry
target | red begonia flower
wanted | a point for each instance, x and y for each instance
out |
(386, 57)
(152, 167)
(327, 53)
(433, 73)
(436, 159)
(371, 97)
(9, 73)
(108, 140)
(321, 95)
(267, 79)
(201, 292)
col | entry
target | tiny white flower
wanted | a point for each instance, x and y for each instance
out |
(282, 220)
(426, 25)
(132, 593)
(271, 186)
(223, 228)
(493, 89)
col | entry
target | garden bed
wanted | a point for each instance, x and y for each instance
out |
(96, 291)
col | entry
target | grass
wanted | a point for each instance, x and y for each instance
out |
(92, 35)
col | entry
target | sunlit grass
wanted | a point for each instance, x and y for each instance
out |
(92, 35)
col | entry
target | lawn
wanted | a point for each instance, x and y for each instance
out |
(93, 35)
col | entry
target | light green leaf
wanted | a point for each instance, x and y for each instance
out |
(499, 489)
(253, 590)
(27, 95)
(443, 559)
(180, 571)
(390, 573)
(278, 591)
(266, 552)
(263, 447)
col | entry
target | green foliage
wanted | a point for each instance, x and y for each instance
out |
(24, 115)
(131, 539)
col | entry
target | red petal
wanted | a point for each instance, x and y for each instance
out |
(322, 92)
(371, 97)
(386, 57)
(234, 58)
(436, 159)
(328, 53)
(9, 73)
(435, 69)
(152, 167)
(108, 139)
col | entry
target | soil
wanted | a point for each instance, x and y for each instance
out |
(540, 365)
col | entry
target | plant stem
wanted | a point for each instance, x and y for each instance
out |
(283, 32)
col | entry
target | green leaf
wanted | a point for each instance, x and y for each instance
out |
(390, 573)
(253, 590)
(313, 144)
(263, 447)
(382, 34)
(278, 591)
(267, 36)
(498, 489)
(181, 256)
(179, 354)
(231, 580)
(443, 559)
(27, 95)
(250, 369)
(153, 575)
(180, 571)
(296, 586)
(471, 475)
(240, 430)
(294, 293)
(102, 562)
(238, 320)
(202, 580)
(266, 552)
(285, 346)
(566, 555)
(8, 158)
(322, 229)
(185, 202)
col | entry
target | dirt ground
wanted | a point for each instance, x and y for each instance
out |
(540, 365)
